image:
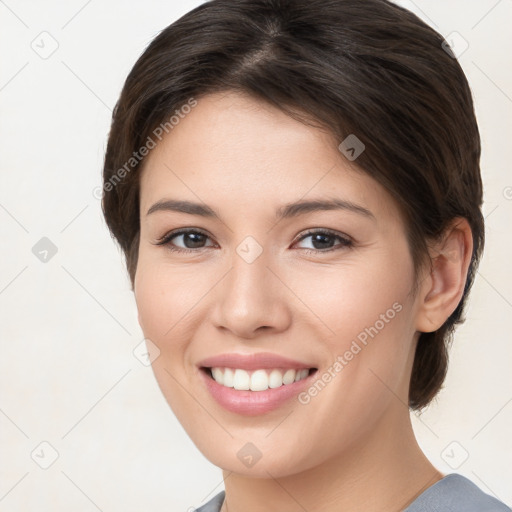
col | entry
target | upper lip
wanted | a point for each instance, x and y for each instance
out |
(261, 360)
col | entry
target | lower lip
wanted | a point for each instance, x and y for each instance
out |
(253, 403)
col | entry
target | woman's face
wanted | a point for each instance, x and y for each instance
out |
(269, 288)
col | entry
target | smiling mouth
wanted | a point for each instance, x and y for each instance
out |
(257, 380)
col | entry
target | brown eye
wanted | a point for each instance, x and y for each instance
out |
(322, 241)
(190, 239)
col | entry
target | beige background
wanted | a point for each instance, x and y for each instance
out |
(68, 375)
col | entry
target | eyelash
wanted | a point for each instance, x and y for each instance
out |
(166, 239)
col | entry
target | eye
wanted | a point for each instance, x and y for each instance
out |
(323, 239)
(192, 238)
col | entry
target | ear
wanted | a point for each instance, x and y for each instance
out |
(442, 289)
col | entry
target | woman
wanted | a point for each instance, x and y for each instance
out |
(296, 188)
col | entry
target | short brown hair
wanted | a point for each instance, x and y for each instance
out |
(369, 68)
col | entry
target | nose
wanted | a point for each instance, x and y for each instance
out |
(252, 300)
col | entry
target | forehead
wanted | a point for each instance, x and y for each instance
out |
(232, 149)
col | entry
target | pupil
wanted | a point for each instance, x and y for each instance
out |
(319, 237)
(194, 240)
(194, 243)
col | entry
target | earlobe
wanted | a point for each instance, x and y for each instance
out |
(443, 289)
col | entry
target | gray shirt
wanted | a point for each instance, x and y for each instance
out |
(453, 493)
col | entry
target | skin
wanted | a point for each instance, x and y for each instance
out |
(352, 446)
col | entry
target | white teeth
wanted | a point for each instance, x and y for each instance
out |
(228, 377)
(217, 374)
(275, 379)
(241, 380)
(289, 377)
(258, 380)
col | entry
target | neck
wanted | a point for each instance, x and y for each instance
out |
(386, 471)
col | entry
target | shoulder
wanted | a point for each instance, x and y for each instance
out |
(213, 505)
(456, 493)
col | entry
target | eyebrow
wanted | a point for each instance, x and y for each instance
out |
(287, 211)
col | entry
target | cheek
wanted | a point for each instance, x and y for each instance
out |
(166, 297)
(348, 298)
(171, 302)
(165, 302)
(160, 310)
(369, 314)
